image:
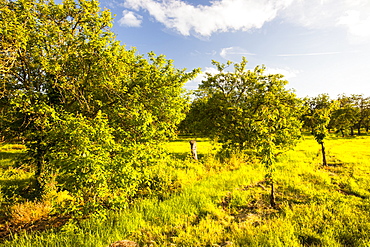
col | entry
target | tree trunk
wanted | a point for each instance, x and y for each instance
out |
(352, 134)
(193, 147)
(323, 154)
(272, 195)
(341, 131)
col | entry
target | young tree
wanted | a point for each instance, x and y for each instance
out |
(319, 111)
(248, 110)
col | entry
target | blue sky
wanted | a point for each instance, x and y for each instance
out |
(320, 46)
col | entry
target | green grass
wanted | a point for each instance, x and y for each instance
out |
(181, 148)
(13, 179)
(226, 203)
(9, 152)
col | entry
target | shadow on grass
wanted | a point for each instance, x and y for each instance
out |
(26, 188)
(334, 164)
(179, 156)
(8, 156)
(8, 160)
(184, 155)
(182, 140)
(189, 139)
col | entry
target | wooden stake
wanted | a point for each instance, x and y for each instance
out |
(193, 148)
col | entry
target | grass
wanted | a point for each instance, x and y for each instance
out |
(181, 148)
(226, 204)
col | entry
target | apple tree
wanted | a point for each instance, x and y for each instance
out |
(76, 96)
(248, 110)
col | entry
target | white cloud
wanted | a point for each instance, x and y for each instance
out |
(313, 13)
(353, 15)
(219, 16)
(130, 19)
(244, 15)
(358, 26)
(230, 52)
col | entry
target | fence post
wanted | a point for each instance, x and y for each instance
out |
(193, 147)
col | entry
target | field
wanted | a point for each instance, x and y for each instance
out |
(219, 201)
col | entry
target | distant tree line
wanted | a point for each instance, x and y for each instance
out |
(349, 115)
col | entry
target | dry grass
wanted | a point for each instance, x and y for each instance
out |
(29, 212)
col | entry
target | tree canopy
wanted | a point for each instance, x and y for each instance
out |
(318, 116)
(76, 96)
(248, 110)
(65, 57)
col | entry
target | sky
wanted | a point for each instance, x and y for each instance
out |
(320, 46)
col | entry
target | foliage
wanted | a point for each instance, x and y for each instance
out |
(362, 106)
(79, 99)
(352, 113)
(345, 115)
(249, 110)
(319, 111)
(246, 108)
(64, 56)
(76, 156)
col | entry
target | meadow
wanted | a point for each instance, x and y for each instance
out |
(220, 200)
